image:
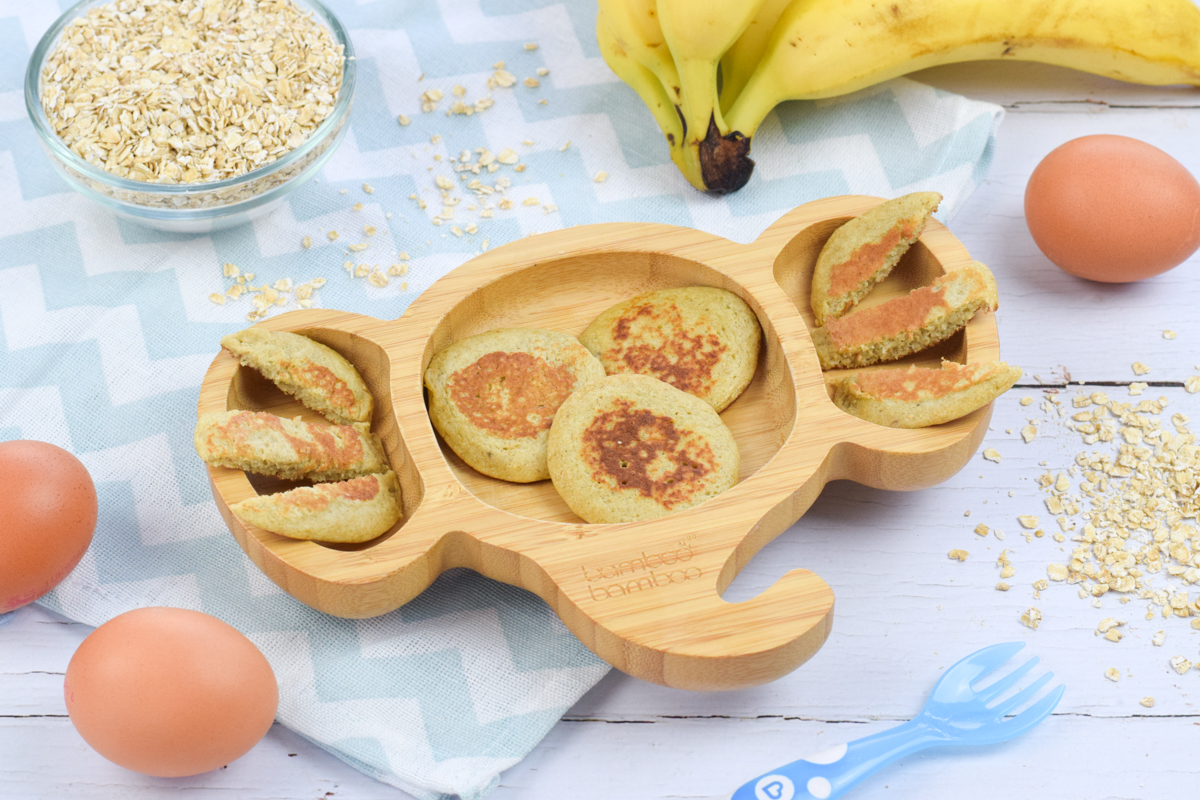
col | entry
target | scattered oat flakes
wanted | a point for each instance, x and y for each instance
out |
(502, 78)
(531, 46)
(563, 149)
(368, 188)
(333, 235)
(1148, 702)
(1169, 334)
(403, 120)
(1139, 368)
(1026, 400)
(357, 206)
(1137, 388)
(377, 279)
(217, 298)
(306, 242)
(601, 177)
(991, 454)
(1002, 587)
(1031, 618)
(982, 530)
(1029, 433)
(369, 230)
(958, 555)
(1028, 521)
(1180, 664)
(429, 100)
(1192, 384)
(1057, 572)
(1113, 674)
(532, 83)
(530, 201)
(1159, 638)
(542, 71)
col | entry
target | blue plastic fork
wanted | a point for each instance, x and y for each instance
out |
(955, 713)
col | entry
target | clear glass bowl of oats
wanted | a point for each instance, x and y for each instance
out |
(191, 115)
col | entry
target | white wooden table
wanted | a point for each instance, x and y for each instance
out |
(904, 610)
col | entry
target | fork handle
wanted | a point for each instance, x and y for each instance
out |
(832, 772)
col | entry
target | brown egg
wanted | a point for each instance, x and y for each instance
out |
(170, 692)
(47, 516)
(1113, 209)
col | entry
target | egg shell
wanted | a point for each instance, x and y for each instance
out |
(170, 692)
(48, 511)
(1113, 209)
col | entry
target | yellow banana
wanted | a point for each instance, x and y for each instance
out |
(824, 49)
(698, 33)
(641, 79)
(634, 25)
(741, 59)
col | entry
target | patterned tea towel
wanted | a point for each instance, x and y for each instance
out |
(106, 330)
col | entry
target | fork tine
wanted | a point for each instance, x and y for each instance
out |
(989, 658)
(1021, 697)
(1038, 711)
(998, 688)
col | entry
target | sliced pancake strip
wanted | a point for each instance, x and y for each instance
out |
(699, 339)
(863, 251)
(316, 375)
(493, 396)
(352, 511)
(915, 397)
(905, 325)
(633, 448)
(265, 444)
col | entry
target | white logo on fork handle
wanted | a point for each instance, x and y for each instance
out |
(774, 787)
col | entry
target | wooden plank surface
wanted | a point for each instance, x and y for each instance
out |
(904, 610)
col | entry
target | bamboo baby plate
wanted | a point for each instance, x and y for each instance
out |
(645, 596)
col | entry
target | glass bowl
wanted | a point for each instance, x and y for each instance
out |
(193, 207)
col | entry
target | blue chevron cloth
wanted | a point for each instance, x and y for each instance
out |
(106, 330)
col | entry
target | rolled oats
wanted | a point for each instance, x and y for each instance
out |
(1031, 618)
(1113, 674)
(184, 92)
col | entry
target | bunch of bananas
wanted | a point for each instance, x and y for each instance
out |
(711, 70)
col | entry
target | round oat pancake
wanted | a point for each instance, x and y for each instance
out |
(699, 339)
(632, 447)
(493, 396)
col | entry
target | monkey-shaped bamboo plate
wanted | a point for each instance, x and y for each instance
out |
(645, 596)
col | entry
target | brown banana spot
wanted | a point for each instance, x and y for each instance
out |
(511, 395)
(652, 339)
(635, 449)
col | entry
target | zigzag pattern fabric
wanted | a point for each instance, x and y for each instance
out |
(106, 330)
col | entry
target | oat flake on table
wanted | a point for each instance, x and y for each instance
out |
(189, 91)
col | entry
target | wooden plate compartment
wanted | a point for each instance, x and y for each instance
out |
(644, 596)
